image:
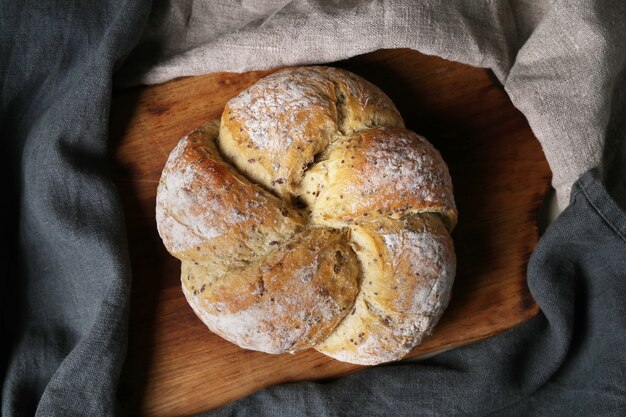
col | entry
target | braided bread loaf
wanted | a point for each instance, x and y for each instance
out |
(310, 218)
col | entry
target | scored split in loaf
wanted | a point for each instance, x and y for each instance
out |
(309, 217)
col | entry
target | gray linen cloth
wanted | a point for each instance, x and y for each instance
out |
(65, 289)
(561, 62)
(65, 286)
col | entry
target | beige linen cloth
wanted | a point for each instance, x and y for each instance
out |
(561, 62)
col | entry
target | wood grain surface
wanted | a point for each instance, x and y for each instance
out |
(176, 366)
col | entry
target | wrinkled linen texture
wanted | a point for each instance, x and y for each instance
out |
(65, 291)
(561, 62)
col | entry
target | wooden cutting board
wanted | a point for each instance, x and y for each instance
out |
(176, 366)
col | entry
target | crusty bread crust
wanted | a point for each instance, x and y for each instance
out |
(309, 217)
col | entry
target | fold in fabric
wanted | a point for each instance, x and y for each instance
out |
(65, 295)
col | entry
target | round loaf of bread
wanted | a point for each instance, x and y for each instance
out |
(309, 217)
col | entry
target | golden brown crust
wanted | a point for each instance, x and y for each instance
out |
(408, 268)
(273, 130)
(372, 239)
(208, 212)
(289, 301)
(380, 172)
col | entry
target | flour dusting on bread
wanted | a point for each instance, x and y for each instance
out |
(309, 217)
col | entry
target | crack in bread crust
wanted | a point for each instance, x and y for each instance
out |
(309, 217)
